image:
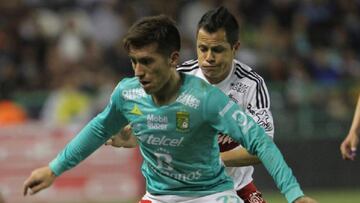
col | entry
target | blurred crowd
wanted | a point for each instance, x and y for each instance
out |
(71, 50)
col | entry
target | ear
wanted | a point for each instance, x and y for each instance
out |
(174, 59)
(236, 46)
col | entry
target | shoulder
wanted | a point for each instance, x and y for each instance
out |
(128, 87)
(188, 66)
(128, 83)
(246, 74)
(193, 82)
(203, 87)
(196, 85)
(256, 89)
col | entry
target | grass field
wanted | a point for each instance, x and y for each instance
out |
(322, 196)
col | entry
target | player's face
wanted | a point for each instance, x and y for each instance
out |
(215, 54)
(150, 67)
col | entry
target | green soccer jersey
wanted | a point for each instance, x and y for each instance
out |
(178, 141)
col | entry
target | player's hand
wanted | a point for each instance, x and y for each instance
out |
(348, 146)
(124, 139)
(39, 179)
(305, 199)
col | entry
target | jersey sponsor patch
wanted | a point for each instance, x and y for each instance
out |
(164, 165)
(189, 100)
(242, 120)
(226, 143)
(157, 122)
(132, 94)
(239, 87)
(262, 118)
(255, 197)
(161, 140)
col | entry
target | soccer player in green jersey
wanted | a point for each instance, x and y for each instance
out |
(169, 112)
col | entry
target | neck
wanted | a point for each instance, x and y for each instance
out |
(170, 90)
(215, 81)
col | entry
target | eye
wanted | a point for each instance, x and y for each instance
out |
(203, 48)
(218, 49)
(146, 61)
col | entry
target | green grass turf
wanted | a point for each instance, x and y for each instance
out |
(322, 196)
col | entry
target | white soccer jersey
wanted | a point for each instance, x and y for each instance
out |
(248, 89)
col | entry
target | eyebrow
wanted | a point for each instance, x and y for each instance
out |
(216, 46)
(140, 58)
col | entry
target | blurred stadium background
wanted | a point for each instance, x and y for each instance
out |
(60, 59)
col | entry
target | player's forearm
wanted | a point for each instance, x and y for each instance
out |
(243, 129)
(263, 146)
(253, 137)
(85, 142)
(239, 157)
(275, 164)
(355, 126)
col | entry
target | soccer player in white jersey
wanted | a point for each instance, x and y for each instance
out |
(176, 122)
(217, 43)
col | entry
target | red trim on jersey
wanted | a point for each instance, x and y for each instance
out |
(226, 143)
(250, 194)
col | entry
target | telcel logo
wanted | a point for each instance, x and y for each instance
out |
(164, 141)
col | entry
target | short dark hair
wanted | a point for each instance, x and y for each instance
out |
(159, 29)
(218, 18)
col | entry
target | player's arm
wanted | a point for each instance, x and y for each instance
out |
(90, 138)
(349, 145)
(259, 110)
(228, 118)
(124, 139)
(239, 157)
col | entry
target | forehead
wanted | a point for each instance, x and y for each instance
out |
(145, 51)
(212, 39)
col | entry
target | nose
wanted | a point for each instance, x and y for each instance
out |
(210, 58)
(138, 70)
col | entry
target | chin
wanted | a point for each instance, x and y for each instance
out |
(148, 91)
(210, 74)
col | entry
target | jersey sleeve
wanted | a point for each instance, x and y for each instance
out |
(92, 136)
(257, 103)
(227, 117)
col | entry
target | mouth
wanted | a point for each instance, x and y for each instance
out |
(144, 83)
(209, 68)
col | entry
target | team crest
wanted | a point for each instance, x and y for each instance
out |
(182, 121)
